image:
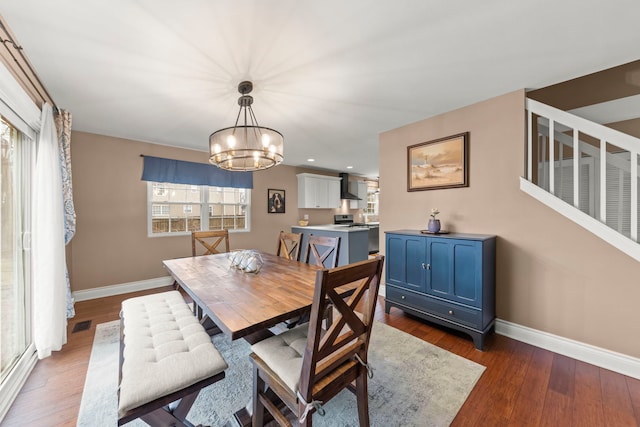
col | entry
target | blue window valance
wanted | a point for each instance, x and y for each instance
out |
(157, 169)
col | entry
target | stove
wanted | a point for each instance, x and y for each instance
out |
(347, 220)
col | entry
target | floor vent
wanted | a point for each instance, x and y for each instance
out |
(81, 326)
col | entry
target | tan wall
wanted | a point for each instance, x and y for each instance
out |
(552, 275)
(111, 245)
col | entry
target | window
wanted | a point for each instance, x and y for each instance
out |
(159, 189)
(371, 211)
(160, 210)
(181, 208)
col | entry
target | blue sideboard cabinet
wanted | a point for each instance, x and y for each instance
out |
(448, 279)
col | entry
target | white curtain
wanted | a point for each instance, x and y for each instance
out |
(48, 243)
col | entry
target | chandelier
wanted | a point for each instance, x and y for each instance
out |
(249, 146)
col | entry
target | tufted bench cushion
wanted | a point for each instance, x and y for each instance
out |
(166, 349)
(283, 353)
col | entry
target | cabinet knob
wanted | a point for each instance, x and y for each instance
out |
(451, 312)
(426, 266)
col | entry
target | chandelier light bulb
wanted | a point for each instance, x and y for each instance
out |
(231, 141)
(266, 140)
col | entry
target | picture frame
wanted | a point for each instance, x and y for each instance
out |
(441, 163)
(276, 201)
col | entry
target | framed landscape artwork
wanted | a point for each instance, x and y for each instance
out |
(275, 201)
(442, 163)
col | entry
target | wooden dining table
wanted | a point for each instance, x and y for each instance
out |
(240, 303)
(245, 305)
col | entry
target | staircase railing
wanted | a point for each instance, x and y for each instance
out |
(586, 171)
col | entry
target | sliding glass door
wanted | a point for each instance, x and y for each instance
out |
(15, 172)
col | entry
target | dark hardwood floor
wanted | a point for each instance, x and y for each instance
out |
(521, 386)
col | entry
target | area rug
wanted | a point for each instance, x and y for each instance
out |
(414, 384)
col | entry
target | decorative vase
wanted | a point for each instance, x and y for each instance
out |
(433, 225)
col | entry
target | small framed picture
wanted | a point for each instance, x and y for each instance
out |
(275, 201)
(442, 163)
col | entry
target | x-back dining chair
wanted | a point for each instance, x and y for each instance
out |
(307, 365)
(289, 245)
(325, 251)
(321, 251)
(211, 241)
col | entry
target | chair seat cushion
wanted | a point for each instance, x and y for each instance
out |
(283, 353)
(166, 349)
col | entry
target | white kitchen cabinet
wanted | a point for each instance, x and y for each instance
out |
(318, 191)
(359, 188)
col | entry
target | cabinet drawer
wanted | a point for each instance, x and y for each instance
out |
(445, 310)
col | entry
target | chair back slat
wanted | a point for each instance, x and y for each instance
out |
(349, 334)
(289, 245)
(325, 251)
(214, 242)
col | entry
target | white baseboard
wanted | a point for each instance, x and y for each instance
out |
(124, 288)
(601, 357)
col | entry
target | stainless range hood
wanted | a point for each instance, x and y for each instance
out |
(344, 188)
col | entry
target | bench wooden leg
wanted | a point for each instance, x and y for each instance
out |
(165, 416)
(162, 418)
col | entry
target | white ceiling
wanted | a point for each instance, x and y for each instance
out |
(330, 75)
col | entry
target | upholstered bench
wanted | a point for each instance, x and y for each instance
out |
(165, 356)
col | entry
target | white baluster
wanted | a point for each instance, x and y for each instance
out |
(634, 195)
(552, 160)
(529, 145)
(603, 181)
(576, 168)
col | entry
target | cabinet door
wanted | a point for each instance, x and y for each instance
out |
(318, 192)
(321, 195)
(405, 260)
(332, 194)
(455, 270)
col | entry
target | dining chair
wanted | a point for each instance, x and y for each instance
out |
(211, 241)
(289, 245)
(325, 251)
(214, 242)
(307, 366)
